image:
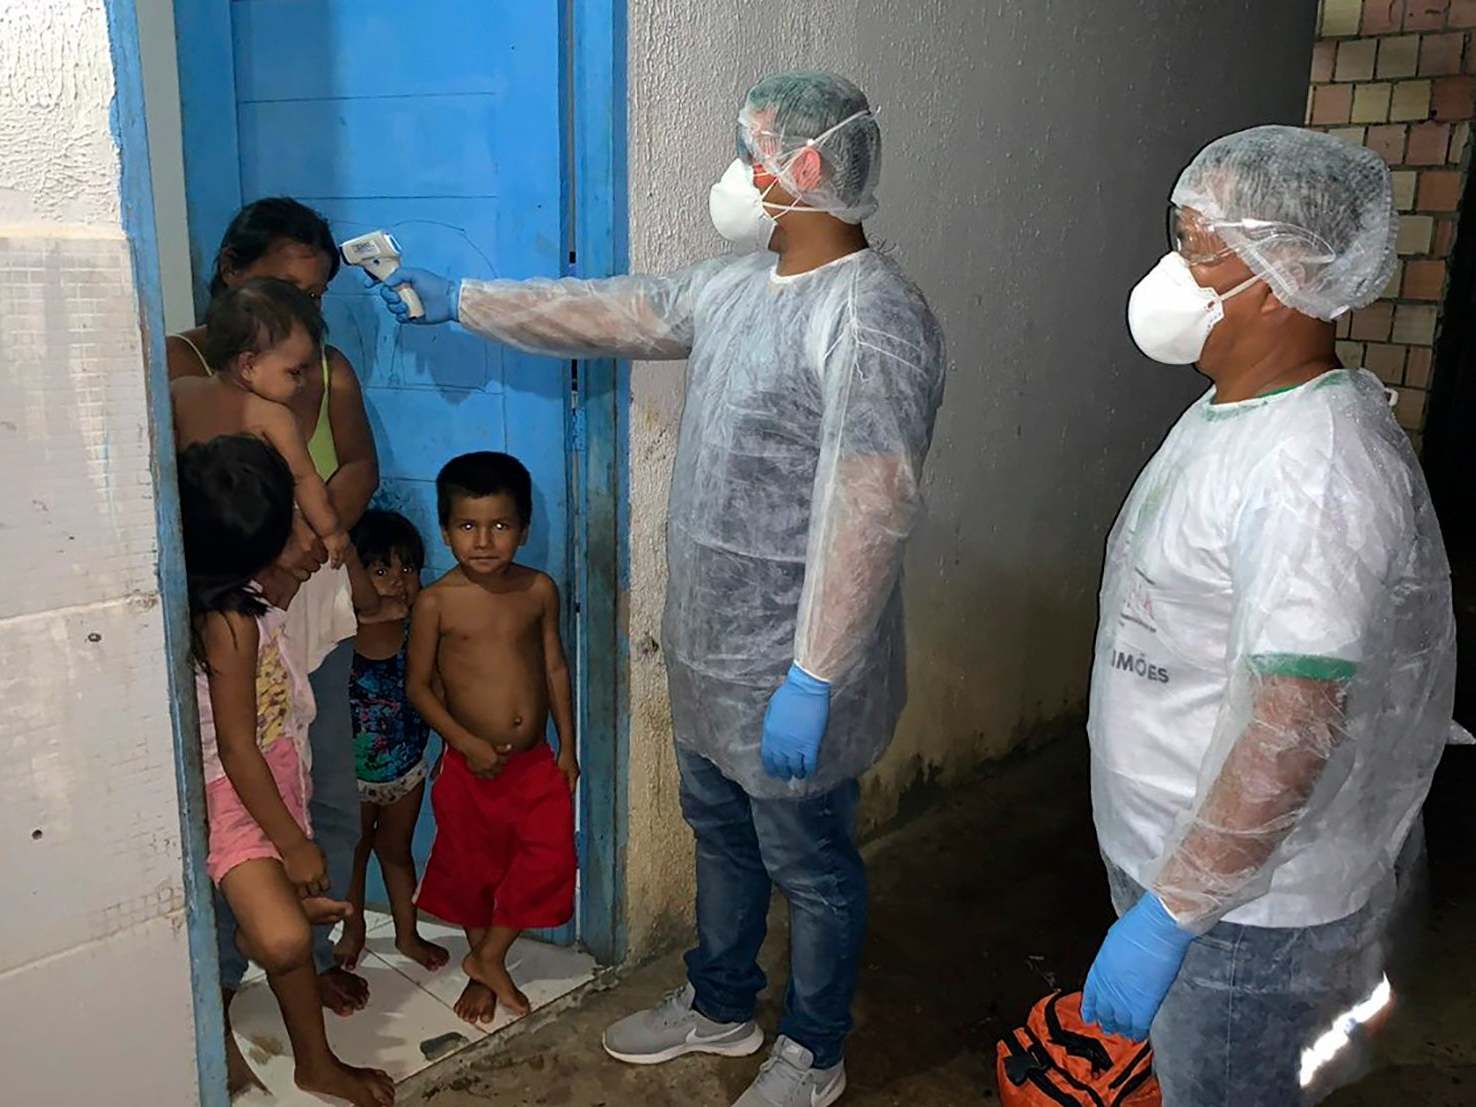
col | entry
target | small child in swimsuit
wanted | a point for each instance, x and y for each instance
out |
(389, 741)
(261, 338)
(235, 496)
(486, 668)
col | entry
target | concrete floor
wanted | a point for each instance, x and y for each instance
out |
(979, 909)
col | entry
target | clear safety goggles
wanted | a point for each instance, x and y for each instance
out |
(774, 150)
(1202, 241)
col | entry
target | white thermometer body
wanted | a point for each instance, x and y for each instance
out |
(378, 254)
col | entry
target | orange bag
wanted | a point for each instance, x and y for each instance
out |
(1058, 1060)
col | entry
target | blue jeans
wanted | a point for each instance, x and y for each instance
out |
(333, 809)
(1249, 1000)
(807, 847)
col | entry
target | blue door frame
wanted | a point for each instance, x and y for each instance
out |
(136, 195)
(596, 50)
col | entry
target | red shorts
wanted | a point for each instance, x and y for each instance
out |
(504, 848)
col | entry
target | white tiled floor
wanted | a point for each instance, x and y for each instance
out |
(407, 1007)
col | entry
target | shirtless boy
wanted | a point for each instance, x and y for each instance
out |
(485, 669)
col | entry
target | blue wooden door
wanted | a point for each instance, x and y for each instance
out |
(441, 121)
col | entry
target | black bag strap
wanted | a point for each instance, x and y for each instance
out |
(1132, 1066)
(1082, 1046)
(1029, 1064)
(1038, 1047)
(1019, 1064)
(1132, 1086)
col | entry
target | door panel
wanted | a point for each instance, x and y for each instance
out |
(441, 122)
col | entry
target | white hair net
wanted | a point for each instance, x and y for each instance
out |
(1310, 214)
(788, 113)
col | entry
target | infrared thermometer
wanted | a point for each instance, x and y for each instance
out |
(378, 254)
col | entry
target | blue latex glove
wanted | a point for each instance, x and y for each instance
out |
(794, 724)
(438, 295)
(1134, 970)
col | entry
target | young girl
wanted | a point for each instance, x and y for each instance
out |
(389, 740)
(255, 705)
(262, 338)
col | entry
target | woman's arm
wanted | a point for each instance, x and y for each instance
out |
(300, 558)
(354, 483)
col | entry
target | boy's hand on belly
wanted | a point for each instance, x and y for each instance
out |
(484, 761)
(307, 868)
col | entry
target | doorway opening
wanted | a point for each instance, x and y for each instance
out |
(1450, 444)
(488, 138)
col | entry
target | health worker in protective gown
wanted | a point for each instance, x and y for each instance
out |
(812, 385)
(1275, 661)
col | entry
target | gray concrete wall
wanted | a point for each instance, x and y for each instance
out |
(1029, 152)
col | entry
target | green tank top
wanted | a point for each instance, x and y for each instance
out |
(320, 445)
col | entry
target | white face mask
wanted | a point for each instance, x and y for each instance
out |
(740, 211)
(1170, 314)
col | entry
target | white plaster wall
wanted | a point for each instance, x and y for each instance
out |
(56, 81)
(94, 965)
(1029, 152)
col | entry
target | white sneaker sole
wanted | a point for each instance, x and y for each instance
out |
(742, 1047)
(835, 1093)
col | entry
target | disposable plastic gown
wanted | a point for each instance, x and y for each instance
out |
(809, 411)
(1275, 662)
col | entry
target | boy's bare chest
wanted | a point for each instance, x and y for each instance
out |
(490, 621)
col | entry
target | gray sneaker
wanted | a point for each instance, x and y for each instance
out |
(789, 1078)
(675, 1028)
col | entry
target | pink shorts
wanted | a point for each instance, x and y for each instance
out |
(235, 837)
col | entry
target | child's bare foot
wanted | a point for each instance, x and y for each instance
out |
(427, 955)
(239, 1075)
(350, 945)
(322, 911)
(477, 1003)
(361, 1087)
(343, 992)
(496, 978)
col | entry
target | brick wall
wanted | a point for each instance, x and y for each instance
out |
(1399, 76)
